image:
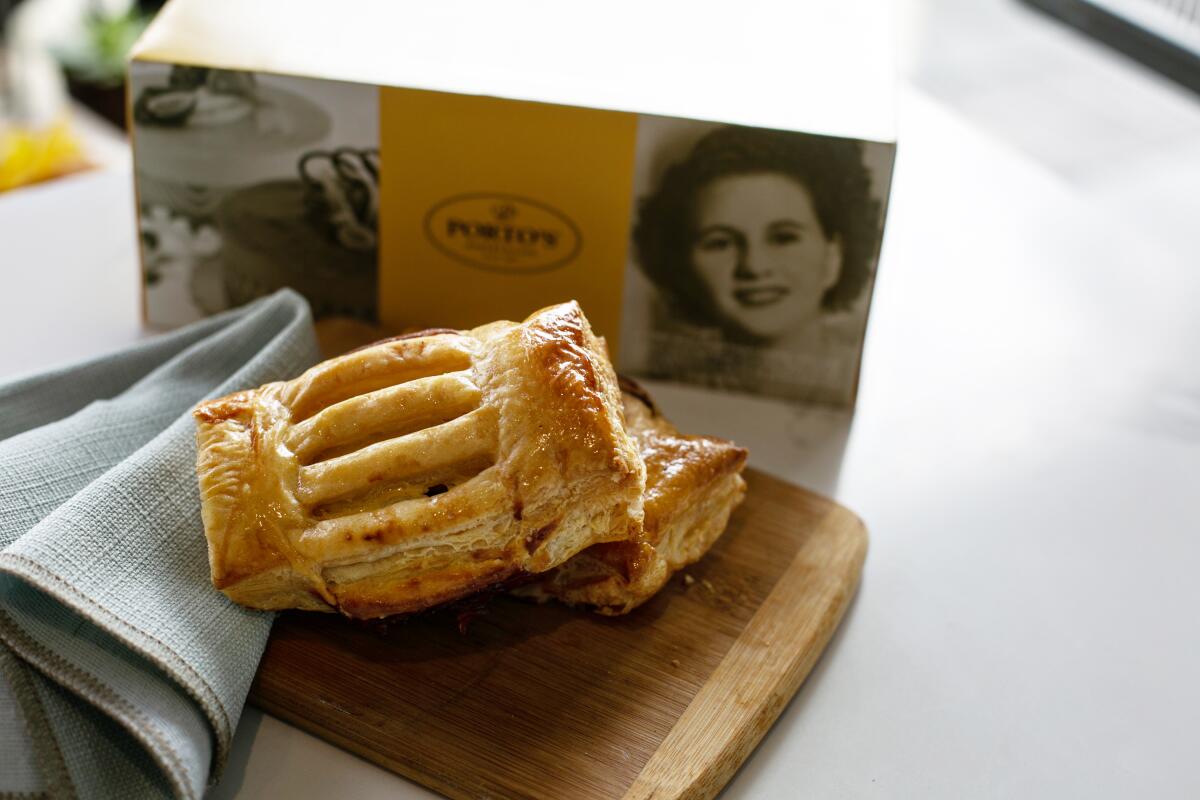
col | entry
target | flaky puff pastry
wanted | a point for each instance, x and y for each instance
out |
(693, 483)
(419, 470)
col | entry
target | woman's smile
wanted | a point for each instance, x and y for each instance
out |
(759, 296)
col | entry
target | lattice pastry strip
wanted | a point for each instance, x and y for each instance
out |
(419, 470)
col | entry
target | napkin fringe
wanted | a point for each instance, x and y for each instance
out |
(52, 767)
(58, 670)
(138, 640)
(137, 724)
(236, 353)
(145, 644)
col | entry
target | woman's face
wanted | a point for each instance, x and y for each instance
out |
(761, 253)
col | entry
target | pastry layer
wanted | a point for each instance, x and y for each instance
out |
(693, 483)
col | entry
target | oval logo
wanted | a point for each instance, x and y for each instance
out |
(503, 233)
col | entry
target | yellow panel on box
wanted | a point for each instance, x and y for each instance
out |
(491, 208)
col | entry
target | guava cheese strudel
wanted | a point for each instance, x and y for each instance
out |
(419, 470)
(693, 483)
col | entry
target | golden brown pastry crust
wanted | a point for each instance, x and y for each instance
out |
(693, 483)
(419, 470)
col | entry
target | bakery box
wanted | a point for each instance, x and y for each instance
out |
(711, 187)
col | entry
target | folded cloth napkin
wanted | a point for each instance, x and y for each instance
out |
(122, 671)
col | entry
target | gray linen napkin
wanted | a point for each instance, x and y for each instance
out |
(122, 671)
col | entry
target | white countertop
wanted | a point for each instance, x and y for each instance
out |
(1025, 454)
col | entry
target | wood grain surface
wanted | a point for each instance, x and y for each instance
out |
(546, 702)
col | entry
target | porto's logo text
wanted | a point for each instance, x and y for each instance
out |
(503, 233)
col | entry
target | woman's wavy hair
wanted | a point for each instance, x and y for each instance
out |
(831, 169)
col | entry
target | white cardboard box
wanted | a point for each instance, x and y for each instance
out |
(708, 180)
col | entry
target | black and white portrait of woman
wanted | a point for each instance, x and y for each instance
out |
(759, 247)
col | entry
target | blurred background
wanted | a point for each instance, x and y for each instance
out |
(1102, 93)
(62, 84)
(1076, 87)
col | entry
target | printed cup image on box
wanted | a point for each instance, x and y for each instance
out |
(248, 183)
(714, 239)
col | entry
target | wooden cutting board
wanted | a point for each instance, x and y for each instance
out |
(546, 702)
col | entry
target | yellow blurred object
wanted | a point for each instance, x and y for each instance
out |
(29, 156)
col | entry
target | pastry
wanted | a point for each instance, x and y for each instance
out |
(693, 483)
(418, 470)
